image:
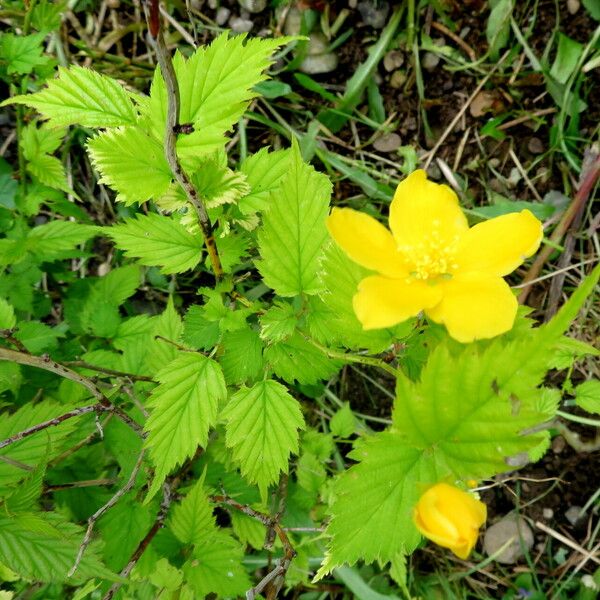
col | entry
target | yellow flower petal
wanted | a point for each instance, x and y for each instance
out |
(450, 517)
(475, 306)
(498, 246)
(383, 302)
(422, 209)
(366, 241)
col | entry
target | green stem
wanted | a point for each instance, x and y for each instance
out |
(576, 419)
(410, 30)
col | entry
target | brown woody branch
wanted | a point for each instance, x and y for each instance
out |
(173, 127)
(44, 362)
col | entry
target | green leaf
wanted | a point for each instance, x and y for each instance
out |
(262, 431)
(43, 547)
(296, 359)
(567, 56)
(80, 96)
(157, 240)
(343, 423)
(215, 87)
(51, 240)
(241, 356)
(279, 322)
(198, 331)
(264, 173)
(293, 232)
(587, 396)
(593, 8)
(21, 53)
(193, 520)
(37, 337)
(49, 171)
(184, 407)
(7, 315)
(498, 26)
(26, 496)
(216, 567)
(123, 527)
(160, 351)
(132, 162)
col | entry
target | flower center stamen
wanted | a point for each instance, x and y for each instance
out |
(433, 257)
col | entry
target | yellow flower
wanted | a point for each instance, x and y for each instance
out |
(432, 261)
(450, 517)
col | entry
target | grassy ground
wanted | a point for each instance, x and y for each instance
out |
(502, 107)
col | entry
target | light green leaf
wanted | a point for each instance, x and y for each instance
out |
(216, 567)
(296, 359)
(279, 322)
(193, 520)
(215, 86)
(37, 336)
(248, 530)
(264, 173)
(159, 351)
(80, 96)
(21, 53)
(293, 232)
(241, 356)
(157, 240)
(587, 396)
(262, 431)
(26, 496)
(198, 331)
(43, 547)
(51, 240)
(132, 162)
(498, 26)
(7, 315)
(343, 423)
(184, 407)
(567, 56)
(49, 171)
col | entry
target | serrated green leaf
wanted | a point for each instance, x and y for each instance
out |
(232, 248)
(293, 233)
(262, 431)
(198, 331)
(216, 567)
(37, 337)
(184, 407)
(241, 356)
(279, 322)
(215, 86)
(132, 162)
(43, 547)
(162, 350)
(296, 359)
(248, 530)
(26, 496)
(264, 173)
(80, 96)
(7, 315)
(51, 240)
(193, 520)
(21, 53)
(157, 240)
(49, 171)
(587, 396)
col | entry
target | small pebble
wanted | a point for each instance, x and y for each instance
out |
(509, 528)
(113, 4)
(430, 61)
(223, 13)
(387, 143)
(318, 60)
(393, 60)
(212, 4)
(239, 25)
(434, 172)
(535, 146)
(558, 442)
(547, 513)
(573, 6)
(293, 22)
(253, 6)
(398, 79)
(573, 514)
(374, 12)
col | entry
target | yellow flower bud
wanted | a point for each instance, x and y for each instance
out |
(450, 517)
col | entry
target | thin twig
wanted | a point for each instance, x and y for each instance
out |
(587, 183)
(92, 520)
(277, 574)
(47, 364)
(106, 371)
(143, 545)
(172, 128)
